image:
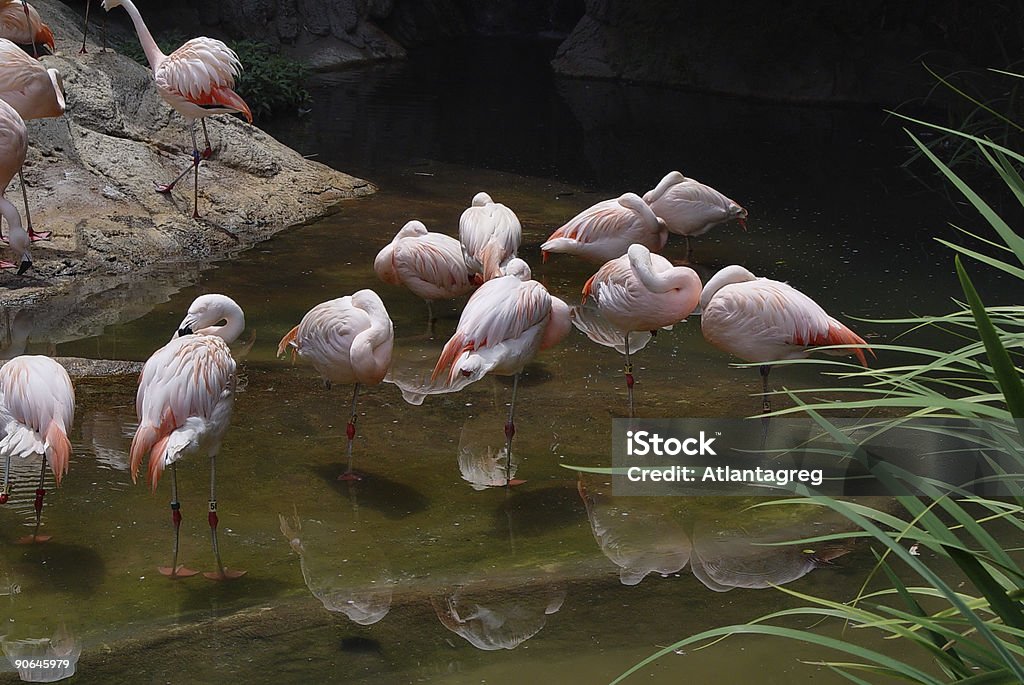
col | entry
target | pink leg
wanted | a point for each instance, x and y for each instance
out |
(350, 431)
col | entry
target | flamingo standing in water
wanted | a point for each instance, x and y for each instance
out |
(490, 234)
(13, 146)
(642, 292)
(763, 321)
(690, 208)
(606, 230)
(36, 93)
(37, 408)
(186, 393)
(431, 265)
(348, 340)
(20, 22)
(196, 80)
(505, 323)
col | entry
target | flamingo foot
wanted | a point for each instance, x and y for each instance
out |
(164, 188)
(83, 51)
(224, 574)
(7, 265)
(33, 539)
(41, 235)
(350, 476)
(175, 573)
(516, 481)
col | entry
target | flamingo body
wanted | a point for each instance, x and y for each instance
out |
(689, 207)
(28, 86)
(606, 230)
(490, 234)
(37, 409)
(431, 265)
(20, 23)
(763, 321)
(13, 148)
(640, 291)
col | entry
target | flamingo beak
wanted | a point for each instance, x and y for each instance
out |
(184, 330)
(742, 222)
(25, 266)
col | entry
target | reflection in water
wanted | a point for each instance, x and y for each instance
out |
(106, 433)
(588, 320)
(481, 463)
(59, 655)
(503, 623)
(15, 328)
(361, 592)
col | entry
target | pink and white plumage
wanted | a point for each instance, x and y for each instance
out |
(37, 409)
(606, 230)
(690, 208)
(431, 265)
(184, 402)
(763, 321)
(640, 291)
(20, 23)
(348, 340)
(13, 147)
(490, 234)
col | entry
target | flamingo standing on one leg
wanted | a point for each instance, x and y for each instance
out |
(348, 340)
(196, 80)
(431, 265)
(186, 393)
(763, 321)
(13, 147)
(505, 323)
(690, 208)
(490, 234)
(642, 292)
(36, 93)
(20, 22)
(37, 408)
(85, 30)
(606, 230)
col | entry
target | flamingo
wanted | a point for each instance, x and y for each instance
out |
(186, 393)
(196, 80)
(20, 22)
(348, 340)
(431, 265)
(505, 323)
(37, 408)
(36, 93)
(642, 292)
(691, 208)
(490, 234)
(13, 146)
(606, 230)
(85, 30)
(763, 321)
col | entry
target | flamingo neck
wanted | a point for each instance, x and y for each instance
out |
(17, 236)
(234, 324)
(727, 276)
(671, 179)
(655, 281)
(149, 46)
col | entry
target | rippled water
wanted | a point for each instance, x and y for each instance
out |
(413, 574)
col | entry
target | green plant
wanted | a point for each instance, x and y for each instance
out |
(270, 83)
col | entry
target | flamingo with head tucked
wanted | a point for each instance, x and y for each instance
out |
(640, 291)
(197, 80)
(20, 23)
(348, 340)
(490, 234)
(186, 394)
(37, 408)
(606, 230)
(504, 325)
(690, 208)
(13, 146)
(763, 321)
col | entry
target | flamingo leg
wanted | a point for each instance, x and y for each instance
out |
(350, 431)
(38, 505)
(689, 248)
(196, 159)
(32, 235)
(629, 377)
(510, 432)
(104, 48)
(5, 493)
(174, 571)
(766, 403)
(208, 152)
(28, 21)
(85, 31)
(221, 573)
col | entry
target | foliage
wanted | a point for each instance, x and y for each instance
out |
(973, 632)
(270, 83)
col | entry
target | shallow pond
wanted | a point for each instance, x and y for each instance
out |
(412, 574)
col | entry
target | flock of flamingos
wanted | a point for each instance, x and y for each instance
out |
(186, 390)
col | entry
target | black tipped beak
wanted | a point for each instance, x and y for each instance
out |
(187, 330)
(25, 266)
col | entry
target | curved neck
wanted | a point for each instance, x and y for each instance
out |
(727, 276)
(234, 324)
(672, 178)
(655, 281)
(149, 46)
(10, 213)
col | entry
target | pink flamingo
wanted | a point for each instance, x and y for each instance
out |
(642, 292)
(504, 325)
(186, 394)
(606, 230)
(13, 146)
(196, 80)
(348, 340)
(690, 208)
(20, 22)
(490, 234)
(763, 321)
(36, 93)
(37, 408)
